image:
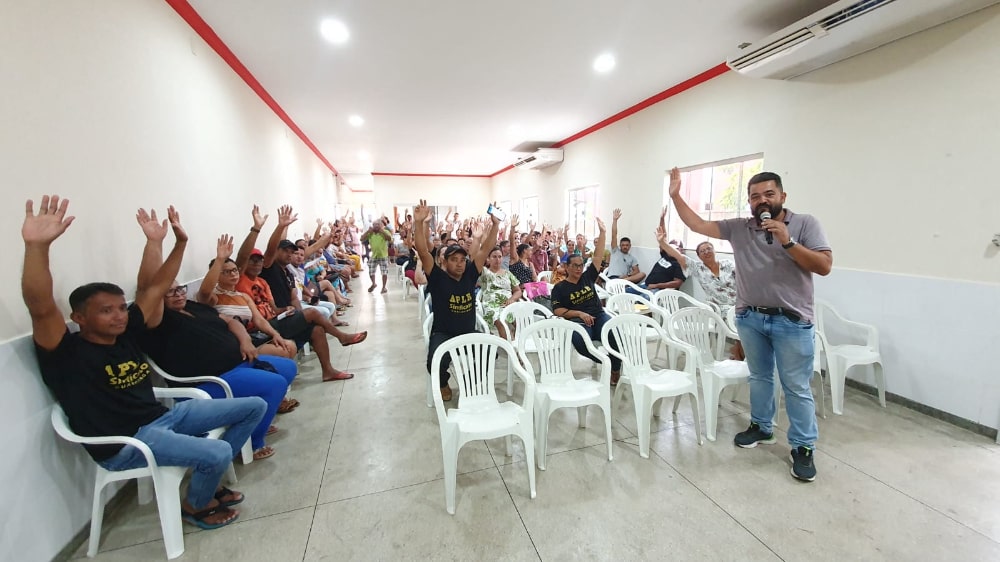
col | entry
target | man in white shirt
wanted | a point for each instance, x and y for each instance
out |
(623, 265)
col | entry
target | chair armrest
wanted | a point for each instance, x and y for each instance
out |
(180, 393)
(216, 380)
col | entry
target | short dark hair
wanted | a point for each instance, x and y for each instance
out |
(503, 243)
(228, 260)
(765, 177)
(572, 256)
(79, 297)
(521, 248)
(625, 239)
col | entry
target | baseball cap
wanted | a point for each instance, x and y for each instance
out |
(453, 249)
(256, 252)
(286, 244)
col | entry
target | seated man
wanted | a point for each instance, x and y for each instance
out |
(575, 298)
(292, 322)
(451, 287)
(622, 264)
(101, 380)
(667, 273)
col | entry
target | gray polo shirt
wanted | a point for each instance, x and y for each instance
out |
(620, 265)
(765, 274)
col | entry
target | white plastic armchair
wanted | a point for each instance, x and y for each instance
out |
(558, 388)
(673, 300)
(426, 330)
(246, 453)
(166, 480)
(479, 414)
(545, 276)
(424, 306)
(648, 383)
(706, 333)
(523, 315)
(842, 353)
(621, 286)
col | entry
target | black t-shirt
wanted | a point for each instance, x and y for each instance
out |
(281, 282)
(104, 389)
(666, 270)
(453, 302)
(192, 346)
(580, 296)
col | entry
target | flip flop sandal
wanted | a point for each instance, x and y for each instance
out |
(263, 453)
(272, 430)
(288, 405)
(198, 518)
(358, 338)
(222, 493)
(341, 377)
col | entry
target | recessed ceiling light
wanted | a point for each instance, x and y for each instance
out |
(334, 31)
(356, 120)
(604, 63)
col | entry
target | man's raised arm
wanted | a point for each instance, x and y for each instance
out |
(152, 253)
(661, 239)
(421, 218)
(598, 254)
(243, 255)
(615, 215)
(487, 242)
(285, 218)
(686, 213)
(38, 232)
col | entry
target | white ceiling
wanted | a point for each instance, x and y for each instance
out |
(451, 86)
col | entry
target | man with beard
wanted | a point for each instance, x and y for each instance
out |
(777, 252)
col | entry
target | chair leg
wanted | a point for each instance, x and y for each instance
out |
(606, 409)
(837, 376)
(822, 395)
(510, 376)
(712, 394)
(677, 402)
(529, 453)
(880, 382)
(542, 434)
(430, 389)
(247, 452)
(643, 413)
(449, 450)
(168, 501)
(697, 415)
(96, 516)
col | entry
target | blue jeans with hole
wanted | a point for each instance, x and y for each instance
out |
(776, 340)
(174, 438)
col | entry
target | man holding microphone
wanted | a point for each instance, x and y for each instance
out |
(777, 252)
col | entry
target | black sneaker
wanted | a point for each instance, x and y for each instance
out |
(802, 464)
(753, 436)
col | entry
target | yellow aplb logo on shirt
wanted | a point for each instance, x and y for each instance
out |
(581, 296)
(460, 304)
(126, 375)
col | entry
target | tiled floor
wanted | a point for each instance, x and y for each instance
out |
(357, 476)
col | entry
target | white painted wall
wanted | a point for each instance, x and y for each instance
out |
(892, 150)
(471, 195)
(116, 105)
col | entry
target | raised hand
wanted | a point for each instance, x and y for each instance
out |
(50, 222)
(675, 182)
(258, 220)
(617, 214)
(663, 213)
(422, 213)
(224, 248)
(514, 221)
(477, 230)
(175, 223)
(661, 235)
(600, 224)
(286, 216)
(154, 230)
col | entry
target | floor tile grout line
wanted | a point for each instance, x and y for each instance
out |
(518, 511)
(404, 486)
(921, 502)
(715, 503)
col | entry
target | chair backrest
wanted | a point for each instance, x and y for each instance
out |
(428, 322)
(673, 300)
(473, 361)
(616, 286)
(61, 424)
(553, 341)
(624, 303)
(545, 275)
(630, 332)
(522, 314)
(701, 328)
(834, 329)
(731, 319)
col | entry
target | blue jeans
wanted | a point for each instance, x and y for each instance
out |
(174, 440)
(769, 340)
(246, 381)
(595, 334)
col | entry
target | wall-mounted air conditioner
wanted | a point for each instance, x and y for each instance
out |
(842, 30)
(541, 158)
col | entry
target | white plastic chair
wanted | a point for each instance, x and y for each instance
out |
(649, 384)
(523, 314)
(479, 415)
(246, 453)
(673, 300)
(626, 303)
(558, 388)
(706, 333)
(545, 275)
(481, 327)
(621, 286)
(840, 357)
(166, 480)
(424, 306)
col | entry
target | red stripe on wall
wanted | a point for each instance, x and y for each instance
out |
(188, 13)
(403, 174)
(668, 93)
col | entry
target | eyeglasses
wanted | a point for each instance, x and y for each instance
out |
(574, 265)
(178, 290)
(705, 250)
(231, 271)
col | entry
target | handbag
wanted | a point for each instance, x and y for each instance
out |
(536, 289)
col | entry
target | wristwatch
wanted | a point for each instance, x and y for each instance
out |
(791, 242)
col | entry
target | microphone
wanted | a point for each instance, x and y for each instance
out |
(768, 236)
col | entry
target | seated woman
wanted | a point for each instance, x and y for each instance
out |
(576, 299)
(522, 269)
(499, 288)
(718, 279)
